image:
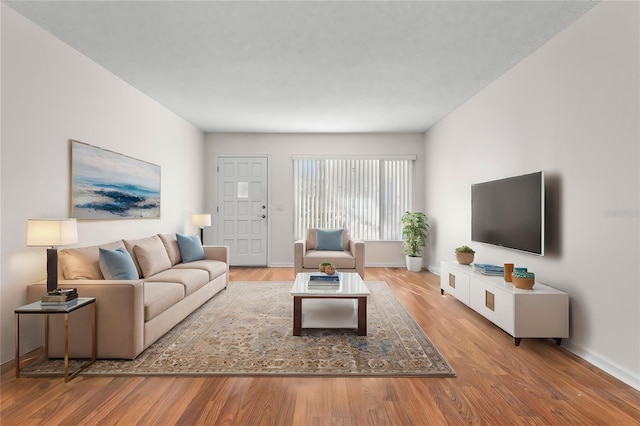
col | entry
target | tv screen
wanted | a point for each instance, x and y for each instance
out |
(510, 213)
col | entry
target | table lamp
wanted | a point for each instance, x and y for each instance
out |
(201, 220)
(51, 233)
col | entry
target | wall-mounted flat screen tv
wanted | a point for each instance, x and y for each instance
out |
(510, 213)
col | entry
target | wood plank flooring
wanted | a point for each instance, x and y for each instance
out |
(497, 383)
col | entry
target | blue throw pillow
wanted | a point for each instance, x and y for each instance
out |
(117, 264)
(190, 248)
(329, 239)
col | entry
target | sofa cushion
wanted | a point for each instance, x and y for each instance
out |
(145, 242)
(171, 245)
(117, 264)
(191, 279)
(83, 263)
(190, 248)
(329, 239)
(215, 268)
(152, 258)
(160, 296)
(340, 259)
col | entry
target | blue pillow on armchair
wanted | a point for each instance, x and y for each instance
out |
(329, 239)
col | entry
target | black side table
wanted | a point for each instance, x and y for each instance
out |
(39, 309)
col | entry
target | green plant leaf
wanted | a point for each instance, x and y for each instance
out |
(414, 232)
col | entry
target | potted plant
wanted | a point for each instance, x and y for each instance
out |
(323, 266)
(414, 232)
(464, 255)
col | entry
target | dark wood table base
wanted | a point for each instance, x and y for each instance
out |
(297, 313)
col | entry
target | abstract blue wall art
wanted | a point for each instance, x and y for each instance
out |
(108, 185)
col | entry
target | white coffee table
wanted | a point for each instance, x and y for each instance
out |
(342, 307)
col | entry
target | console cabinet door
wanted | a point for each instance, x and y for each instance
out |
(493, 303)
(455, 282)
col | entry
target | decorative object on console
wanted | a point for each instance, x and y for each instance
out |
(508, 270)
(465, 255)
(108, 185)
(51, 233)
(414, 232)
(523, 280)
(201, 220)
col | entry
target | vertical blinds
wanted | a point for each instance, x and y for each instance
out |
(365, 196)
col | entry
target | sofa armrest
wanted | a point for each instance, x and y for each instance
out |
(220, 253)
(299, 249)
(356, 247)
(119, 319)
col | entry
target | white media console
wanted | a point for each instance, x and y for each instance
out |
(540, 312)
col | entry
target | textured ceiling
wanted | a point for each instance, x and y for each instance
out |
(306, 66)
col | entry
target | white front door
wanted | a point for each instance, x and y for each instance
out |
(242, 209)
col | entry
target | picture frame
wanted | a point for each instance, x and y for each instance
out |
(107, 185)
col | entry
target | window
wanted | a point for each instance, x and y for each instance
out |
(366, 196)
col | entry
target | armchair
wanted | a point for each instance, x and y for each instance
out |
(308, 254)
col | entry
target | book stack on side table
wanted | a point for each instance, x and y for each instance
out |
(321, 280)
(60, 297)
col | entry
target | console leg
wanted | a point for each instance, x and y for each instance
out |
(517, 340)
(441, 291)
(558, 340)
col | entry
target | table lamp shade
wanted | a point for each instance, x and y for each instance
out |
(201, 220)
(51, 233)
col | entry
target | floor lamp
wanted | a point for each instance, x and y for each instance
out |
(51, 233)
(201, 220)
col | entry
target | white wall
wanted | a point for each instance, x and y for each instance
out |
(572, 110)
(280, 148)
(50, 94)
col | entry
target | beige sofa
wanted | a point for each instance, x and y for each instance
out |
(132, 314)
(307, 258)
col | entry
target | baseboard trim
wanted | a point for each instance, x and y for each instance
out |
(614, 370)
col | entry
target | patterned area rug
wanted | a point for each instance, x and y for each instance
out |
(247, 330)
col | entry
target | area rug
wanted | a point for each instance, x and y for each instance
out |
(247, 330)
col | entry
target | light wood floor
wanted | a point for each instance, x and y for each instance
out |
(496, 384)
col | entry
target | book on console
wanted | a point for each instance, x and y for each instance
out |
(487, 269)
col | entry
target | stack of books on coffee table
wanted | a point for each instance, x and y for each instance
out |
(321, 280)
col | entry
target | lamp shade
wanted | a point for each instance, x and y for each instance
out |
(51, 232)
(201, 220)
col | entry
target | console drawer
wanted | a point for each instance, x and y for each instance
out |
(493, 303)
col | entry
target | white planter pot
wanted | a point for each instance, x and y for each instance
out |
(414, 264)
